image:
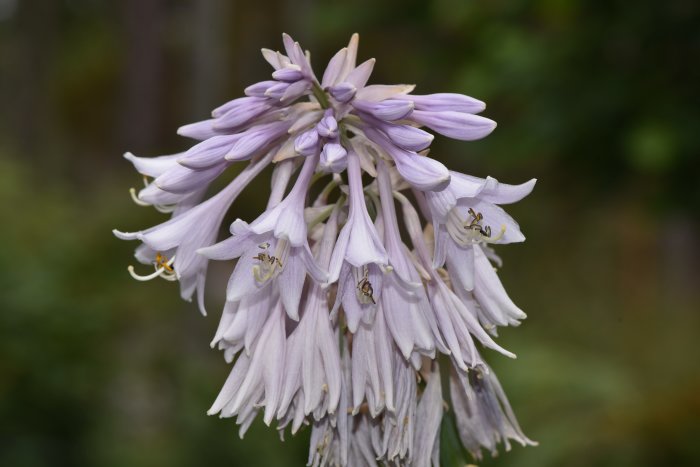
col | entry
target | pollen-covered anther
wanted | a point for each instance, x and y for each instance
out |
(164, 268)
(472, 231)
(269, 266)
(365, 290)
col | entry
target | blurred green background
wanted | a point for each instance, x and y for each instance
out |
(598, 100)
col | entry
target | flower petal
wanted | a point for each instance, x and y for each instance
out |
(379, 92)
(180, 180)
(334, 68)
(447, 101)
(457, 125)
(359, 76)
(422, 172)
(153, 166)
(291, 282)
(502, 193)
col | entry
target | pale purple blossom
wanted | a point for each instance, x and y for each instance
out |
(483, 413)
(339, 306)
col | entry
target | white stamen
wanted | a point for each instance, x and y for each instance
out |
(164, 208)
(161, 271)
(135, 199)
(149, 277)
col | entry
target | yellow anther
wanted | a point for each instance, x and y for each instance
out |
(162, 262)
(164, 268)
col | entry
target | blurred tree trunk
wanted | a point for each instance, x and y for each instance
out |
(210, 55)
(681, 254)
(143, 67)
(37, 31)
(297, 16)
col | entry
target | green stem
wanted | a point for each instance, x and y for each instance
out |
(323, 196)
(320, 95)
(325, 214)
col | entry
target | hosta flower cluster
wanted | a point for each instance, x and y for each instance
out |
(361, 298)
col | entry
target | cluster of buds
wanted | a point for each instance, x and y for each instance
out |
(369, 273)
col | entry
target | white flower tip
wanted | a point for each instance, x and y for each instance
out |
(518, 237)
(477, 105)
(326, 279)
(353, 324)
(293, 314)
(439, 184)
(236, 297)
(129, 156)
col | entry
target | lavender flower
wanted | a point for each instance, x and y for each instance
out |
(342, 311)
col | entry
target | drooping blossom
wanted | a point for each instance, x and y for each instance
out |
(364, 297)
